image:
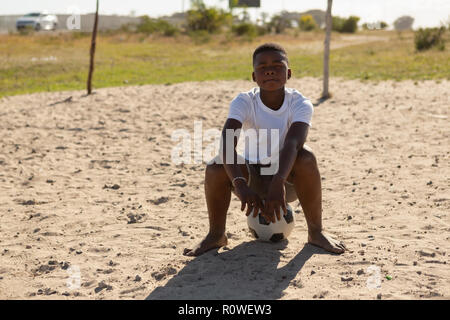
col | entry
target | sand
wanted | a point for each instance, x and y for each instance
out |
(92, 206)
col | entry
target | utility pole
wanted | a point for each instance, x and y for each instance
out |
(326, 55)
(93, 45)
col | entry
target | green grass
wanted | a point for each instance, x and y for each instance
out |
(395, 60)
(133, 60)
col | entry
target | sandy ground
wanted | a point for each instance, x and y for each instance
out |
(92, 207)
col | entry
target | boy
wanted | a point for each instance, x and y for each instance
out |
(296, 175)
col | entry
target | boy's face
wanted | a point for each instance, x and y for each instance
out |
(271, 70)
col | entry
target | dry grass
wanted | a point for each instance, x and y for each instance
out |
(59, 61)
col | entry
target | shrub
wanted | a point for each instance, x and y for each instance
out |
(245, 29)
(350, 25)
(427, 38)
(337, 23)
(209, 19)
(346, 25)
(149, 26)
(26, 31)
(128, 28)
(146, 25)
(200, 36)
(262, 30)
(383, 25)
(170, 30)
(80, 35)
(278, 24)
(307, 23)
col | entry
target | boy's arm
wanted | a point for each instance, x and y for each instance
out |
(233, 170)
(246, 195)
(293, 143)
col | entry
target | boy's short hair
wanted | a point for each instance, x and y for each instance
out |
(270, 47)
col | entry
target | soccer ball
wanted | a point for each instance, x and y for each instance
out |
(273, 232)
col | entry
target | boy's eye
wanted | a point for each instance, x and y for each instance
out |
(276, 66)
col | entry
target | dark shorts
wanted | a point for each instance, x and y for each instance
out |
(260, 183)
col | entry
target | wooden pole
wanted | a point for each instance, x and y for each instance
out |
(326, 55)
(93, 45)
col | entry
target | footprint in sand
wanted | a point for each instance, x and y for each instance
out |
(135, 218)
(102, 285)
(166, 271)
(159, 200)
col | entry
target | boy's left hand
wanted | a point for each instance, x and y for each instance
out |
(275, 201)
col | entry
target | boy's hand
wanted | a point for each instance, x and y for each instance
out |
(276, 200)
(249, 198)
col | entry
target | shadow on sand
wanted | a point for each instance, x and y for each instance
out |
(248, 271)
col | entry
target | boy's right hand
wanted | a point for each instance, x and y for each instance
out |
(249, 198)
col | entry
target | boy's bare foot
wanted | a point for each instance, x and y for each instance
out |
(210, 242)
(326, 242)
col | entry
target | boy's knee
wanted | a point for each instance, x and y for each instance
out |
(306, 159)
(214, 168)
(215, 171)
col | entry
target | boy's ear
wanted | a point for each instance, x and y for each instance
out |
(289, 73)
(253, 76)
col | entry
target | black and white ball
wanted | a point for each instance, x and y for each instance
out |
(273, 232)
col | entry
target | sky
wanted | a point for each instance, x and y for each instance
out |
(427, 13)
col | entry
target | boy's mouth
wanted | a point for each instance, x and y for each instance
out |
(268, 80)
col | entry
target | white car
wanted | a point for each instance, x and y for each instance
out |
(37, 21)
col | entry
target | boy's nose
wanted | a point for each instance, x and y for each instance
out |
(270, 72)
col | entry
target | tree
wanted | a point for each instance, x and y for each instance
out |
(278, 23)
(345, 25)
(350, 25)
(318, 15)
(326, 55)
(307, 23)
(383, 25)
(200, 17)
(92, 53)
(404, 23)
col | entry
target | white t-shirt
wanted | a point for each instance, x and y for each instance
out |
(261, 123)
